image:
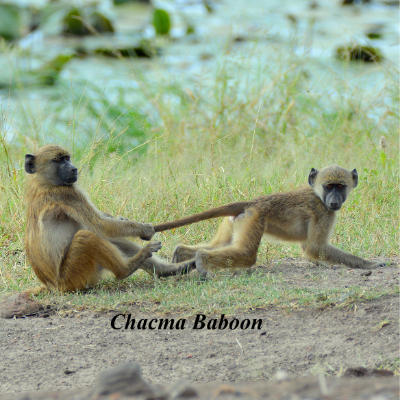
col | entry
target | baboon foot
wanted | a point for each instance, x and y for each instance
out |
(150, 248)
(182, 253)
(139, 259)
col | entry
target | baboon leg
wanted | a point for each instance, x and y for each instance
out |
(88, 253)
(247, 231)
(223, 237)
(224, 233)
(154, 265)
(231, 256)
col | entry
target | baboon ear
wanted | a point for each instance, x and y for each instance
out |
(354, 175)
(311, 177)
(30, 164)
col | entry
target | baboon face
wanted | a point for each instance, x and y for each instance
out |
(334, 195)
(332, 185)
(64, 172)
(52, 165)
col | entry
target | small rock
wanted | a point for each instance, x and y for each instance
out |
(366, 273)
(69, 372)
(357, 371)
(361, 371)
(182, 390)
(125, 379)
(18, 305)
(382, 372)
(281, 375)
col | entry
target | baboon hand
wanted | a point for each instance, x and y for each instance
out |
(370, 265)
(379, 265)
(147, 232)
(186, 267)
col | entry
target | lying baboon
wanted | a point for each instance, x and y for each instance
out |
(306, 214)
(68, 241)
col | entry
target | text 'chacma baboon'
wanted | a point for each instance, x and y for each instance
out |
(68, 241)
(306, 215)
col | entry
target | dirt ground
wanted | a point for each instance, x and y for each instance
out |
(50, 351)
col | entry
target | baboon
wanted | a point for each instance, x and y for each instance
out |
(68, 241)
(306, 215)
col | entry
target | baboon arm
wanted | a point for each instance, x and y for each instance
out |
(333, 255)
(105, 215)
(318, 248)
(233, 209)
(90, 218)
(114, 227)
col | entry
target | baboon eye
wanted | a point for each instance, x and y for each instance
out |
(340, 186)
(329, 186)
(66, 158)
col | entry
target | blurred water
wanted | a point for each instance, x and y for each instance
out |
(251, 34)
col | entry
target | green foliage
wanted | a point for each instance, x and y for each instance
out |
(161, 22)
(80, 23)
(144, 48)
(359, 53)
(49, 73)
(10, 21)
(120, 128)
(118, 2)
(74, 23)
(101, 23)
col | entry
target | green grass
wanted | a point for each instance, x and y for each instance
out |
(225, 293)
(190, 146)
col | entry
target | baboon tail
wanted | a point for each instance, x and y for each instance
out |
(233, 209)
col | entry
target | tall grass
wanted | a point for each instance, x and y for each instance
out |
(246, 129)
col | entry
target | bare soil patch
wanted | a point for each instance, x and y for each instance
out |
(53, 351)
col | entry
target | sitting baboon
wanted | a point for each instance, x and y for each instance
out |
(68, 241)
(306, 215)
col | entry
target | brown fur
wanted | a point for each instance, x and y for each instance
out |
(306, 215)
(68, 241)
